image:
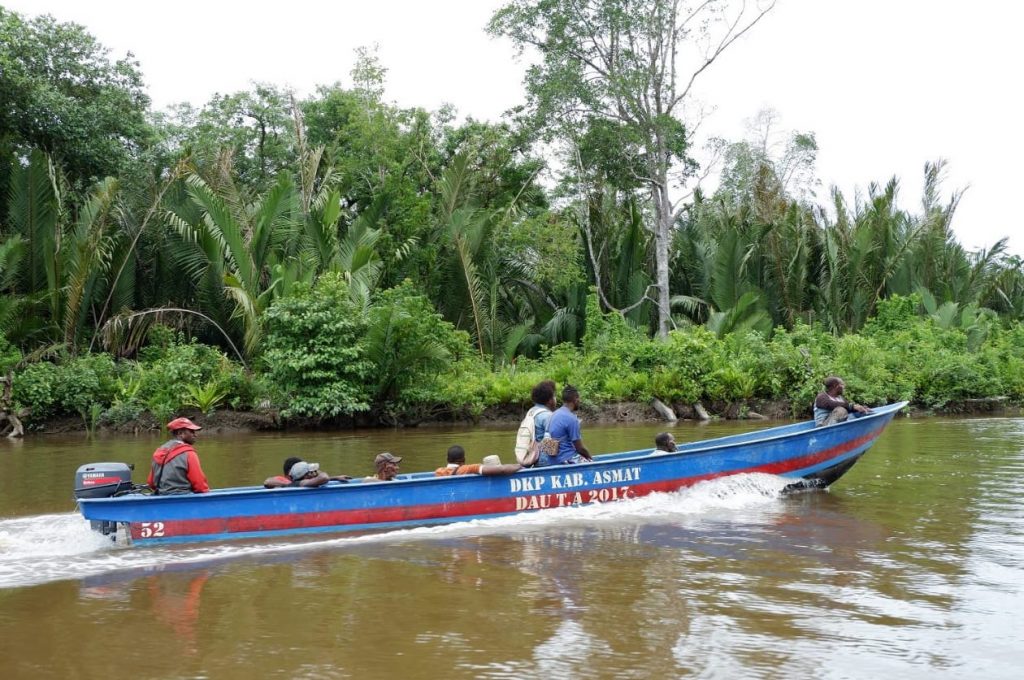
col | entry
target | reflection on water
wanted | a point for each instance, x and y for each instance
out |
(910, 566)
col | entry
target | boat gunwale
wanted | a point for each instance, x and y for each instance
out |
(426, 477)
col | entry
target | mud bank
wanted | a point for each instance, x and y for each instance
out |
(229, 421)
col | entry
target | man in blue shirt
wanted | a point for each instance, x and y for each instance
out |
(565, 427)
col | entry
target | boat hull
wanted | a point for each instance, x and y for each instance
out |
(814, 457)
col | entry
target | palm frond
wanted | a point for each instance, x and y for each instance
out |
(86, 257)
(123, 334)
(12, 253)
(34, 212)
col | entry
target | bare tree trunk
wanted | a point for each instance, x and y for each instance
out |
(663, 224)
(662, 245)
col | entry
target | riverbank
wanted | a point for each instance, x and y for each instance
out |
(227, 421)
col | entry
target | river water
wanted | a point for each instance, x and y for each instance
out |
(910, 566)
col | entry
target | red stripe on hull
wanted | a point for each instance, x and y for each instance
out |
(489, 506)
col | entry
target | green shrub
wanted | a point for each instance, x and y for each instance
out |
(410, 348)
(562, 362)
(35, 388)
(674, 387)
(466, 386)
(950, 376)
(71, 387)
(122, 412)
(206, 397)
(315, 350)
(730, 383)
(87, 380)
(894, 314)
(165, 371)
(862, 365)
(690, 357)
(1007, 348)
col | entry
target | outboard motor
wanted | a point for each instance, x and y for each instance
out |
(102, 480)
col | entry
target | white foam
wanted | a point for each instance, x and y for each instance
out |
(46, 536)
(45, 548)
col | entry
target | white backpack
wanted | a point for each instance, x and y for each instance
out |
(527, 450)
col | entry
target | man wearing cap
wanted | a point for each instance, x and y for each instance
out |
(387, 467)
(175, 468)
(457, 465)
(298, 472)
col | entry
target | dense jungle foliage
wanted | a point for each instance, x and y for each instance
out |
(337, 254)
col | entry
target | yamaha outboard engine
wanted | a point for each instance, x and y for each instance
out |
(102, 480)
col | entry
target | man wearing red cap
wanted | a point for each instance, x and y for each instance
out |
(175, 468)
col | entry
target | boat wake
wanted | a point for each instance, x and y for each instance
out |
(45, 548)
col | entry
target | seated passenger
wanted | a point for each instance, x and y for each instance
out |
(534, 425)
(831, 406)
(387, 467)
(457, 465)
(298, 472)
(664, 441)
(564, 427)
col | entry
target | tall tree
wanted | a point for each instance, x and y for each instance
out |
(619, 61)
(254, 127)
(61, 93)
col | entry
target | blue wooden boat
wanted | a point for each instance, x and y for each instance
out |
(812, 457)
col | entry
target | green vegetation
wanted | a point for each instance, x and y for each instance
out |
(405, 363)
(315, 352)
(338, 256)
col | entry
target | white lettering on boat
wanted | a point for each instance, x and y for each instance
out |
(151, 529)
(617, 475)
(568, 481)
(569, 498)
(574, 480)
(526, 484)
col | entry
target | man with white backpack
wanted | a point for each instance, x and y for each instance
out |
(530, 436)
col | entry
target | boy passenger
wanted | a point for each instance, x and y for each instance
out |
(457, 465)
(664, 441)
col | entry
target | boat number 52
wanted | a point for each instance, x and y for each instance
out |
(151, 529)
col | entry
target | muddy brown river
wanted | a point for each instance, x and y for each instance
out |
(911, 566)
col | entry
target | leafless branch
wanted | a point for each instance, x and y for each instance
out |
(731, 36)
(643, 298)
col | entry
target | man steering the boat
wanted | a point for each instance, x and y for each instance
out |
(831, 406)
(175, 468)
(564, 426)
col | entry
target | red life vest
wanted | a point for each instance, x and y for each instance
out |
(171, 473)
(164, 455)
